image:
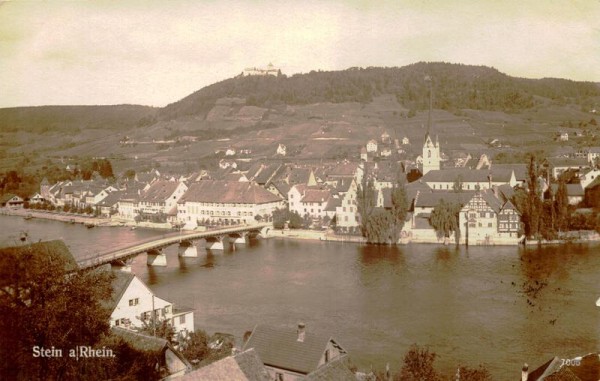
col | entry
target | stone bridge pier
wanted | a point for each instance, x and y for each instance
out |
(156, 257)
(238, 237)
(187, 249)
(215, 242)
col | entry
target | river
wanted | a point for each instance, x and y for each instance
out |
(470, 306)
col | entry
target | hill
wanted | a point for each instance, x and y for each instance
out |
(73, 119)
(455, 87)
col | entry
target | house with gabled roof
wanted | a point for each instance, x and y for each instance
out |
(486, 219)
(10, 200)
(582, 368)
(290, 354)
(347, 216)
(162, 197)
(133, 304)
(309, 200)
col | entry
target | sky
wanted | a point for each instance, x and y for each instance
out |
(157, 52)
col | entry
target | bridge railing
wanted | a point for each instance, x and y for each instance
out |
(162, 241)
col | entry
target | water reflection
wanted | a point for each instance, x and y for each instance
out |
(469, 305)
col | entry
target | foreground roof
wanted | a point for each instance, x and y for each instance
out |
(245, 366)
(228, 192)
(48, 250)
(280, 348)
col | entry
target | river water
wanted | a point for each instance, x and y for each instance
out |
(498, 306)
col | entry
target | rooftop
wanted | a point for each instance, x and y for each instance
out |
(228, 192)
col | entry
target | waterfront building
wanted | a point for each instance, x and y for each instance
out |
(228, 202)
(486, 219)
(10, 200)
(133, 305)
(289, 355)
(162, 197)
(308, 200)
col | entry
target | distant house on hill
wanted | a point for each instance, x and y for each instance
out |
(269, 70)
(290, 355)
(372, 146)
(281, 149)
(562, 136)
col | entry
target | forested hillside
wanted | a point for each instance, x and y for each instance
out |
(72, 119)
(455, 87)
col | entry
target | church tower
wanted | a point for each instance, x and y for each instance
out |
(431, 150)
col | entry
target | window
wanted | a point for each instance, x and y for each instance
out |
(166, 310)
(279, 376)
(182, 319)
(489, 224)
(134, 302)
(327, 356)
(117, 322)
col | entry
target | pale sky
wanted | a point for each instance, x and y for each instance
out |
(157, 52)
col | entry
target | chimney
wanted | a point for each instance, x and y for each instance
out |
(525, 372)
(301, 332)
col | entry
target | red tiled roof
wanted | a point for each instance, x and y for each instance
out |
(228, 192)
(316, 195)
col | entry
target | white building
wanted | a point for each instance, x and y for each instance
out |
(372, 146)
(162, 197)
(431, 155)
(132, 305)
(346, 215)
(281, 149)
(311, 201)
(469, 179)
(229, 202)
(405, 141)
(592, 154)
(269, 70)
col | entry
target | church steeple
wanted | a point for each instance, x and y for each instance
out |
(431, 150)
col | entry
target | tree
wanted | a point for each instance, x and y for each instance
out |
(399, 208)
(45, 303)
(365, 199)
(534, 200)
(296, 221)
(418, 365)
(444, 219)
(561, 206)
(195, 347)
(458, 184)
(280, 217)
(474, 374)
(379, 227)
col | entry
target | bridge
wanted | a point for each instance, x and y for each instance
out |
(153, 247)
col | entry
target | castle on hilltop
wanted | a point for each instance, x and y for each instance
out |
(269, 70)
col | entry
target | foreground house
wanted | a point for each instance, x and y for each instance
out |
(293, 355)
(169, 361)
(585, 368)
(228, 202)
(244, 366)
(132, 303)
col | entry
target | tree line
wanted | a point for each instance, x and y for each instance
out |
(455, 87)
